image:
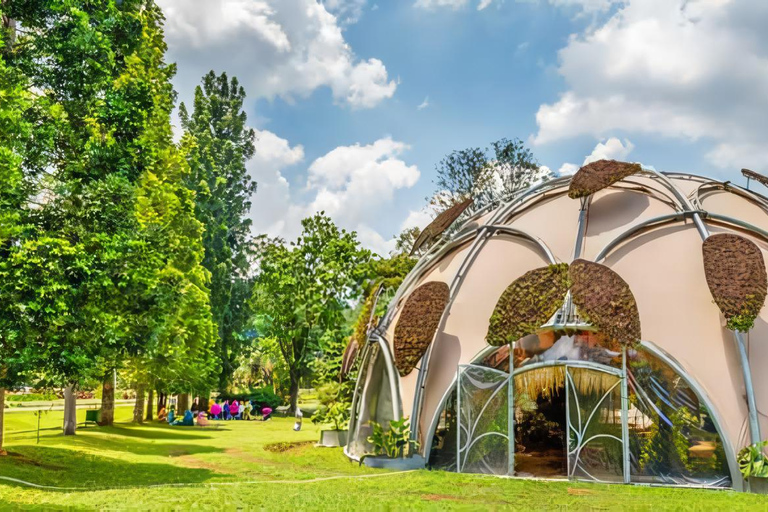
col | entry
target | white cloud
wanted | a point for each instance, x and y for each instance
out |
(424, 104)
(285, 48)
(567, 169)
(585, 6)
(431, 4)
(689, 69)
(271, 204)
(611, 149)
(354, 185)
(346, 11)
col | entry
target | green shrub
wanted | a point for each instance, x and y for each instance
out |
(335, 402)
(394, 442)
(31, 397)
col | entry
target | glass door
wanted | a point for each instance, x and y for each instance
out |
(595, 427)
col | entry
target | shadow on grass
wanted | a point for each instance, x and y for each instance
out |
(160, 449)
(67, 468)
(148, 431)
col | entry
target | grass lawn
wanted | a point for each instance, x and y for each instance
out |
(251, 466)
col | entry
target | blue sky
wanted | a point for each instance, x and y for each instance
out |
(335, 90)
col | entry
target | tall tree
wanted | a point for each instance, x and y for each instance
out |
(486, 175)
(218, 143)
(301, 291)
(16, 129)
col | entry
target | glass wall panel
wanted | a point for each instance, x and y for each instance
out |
(673, 439)
(566, 345)
(443, 452)
(595, 448)
(375, 402)
(483, 420)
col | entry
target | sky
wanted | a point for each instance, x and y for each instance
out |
(354, 102)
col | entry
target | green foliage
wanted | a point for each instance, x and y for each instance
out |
(301, 292)
(217, 144)
(528, 303)
(486, 175)
(393, 442)
(335, 402)
(752, 460)
(32, 397)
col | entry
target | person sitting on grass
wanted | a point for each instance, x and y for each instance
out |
(171, 416)
(245, 411)
(234, 410)
(266, 413)
(202, 421)
(187, 421)
(162, 414)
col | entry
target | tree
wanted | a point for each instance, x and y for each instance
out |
(16, 129)
(218, 144)
(486, 176)
(301, 291)
(68, 279)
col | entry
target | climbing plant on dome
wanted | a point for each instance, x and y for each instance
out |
(604, 299)
(528, 303)
(736, 276)
(418, 323)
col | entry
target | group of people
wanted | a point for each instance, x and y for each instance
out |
(215, 411)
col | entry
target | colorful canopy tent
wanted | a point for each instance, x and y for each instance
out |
(657, 390)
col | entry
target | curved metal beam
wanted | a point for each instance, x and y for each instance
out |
(661, 219)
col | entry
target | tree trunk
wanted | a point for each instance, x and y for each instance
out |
(161, 399)
(183, 403)
(107, 417)
(138, 408)
(2, 421)
(70, 410)
(150, 400)
(294, 394)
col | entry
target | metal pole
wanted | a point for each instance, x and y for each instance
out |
(754, 425)
(511, 416)
(458, 419)
(625, 415)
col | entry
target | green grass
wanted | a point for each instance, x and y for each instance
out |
(113, 467)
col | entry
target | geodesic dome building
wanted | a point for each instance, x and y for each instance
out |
(604, 327)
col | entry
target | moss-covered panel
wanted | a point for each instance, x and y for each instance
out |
(349, 357)
(599, 175)
(418, 323)
(736, 277)
(441, 223)
(527, 304)
(604, 299)
(755, 176)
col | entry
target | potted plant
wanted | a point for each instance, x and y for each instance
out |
(393, 447)
(334, 413)
(753, 464)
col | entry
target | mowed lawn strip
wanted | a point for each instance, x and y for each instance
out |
(249, 462)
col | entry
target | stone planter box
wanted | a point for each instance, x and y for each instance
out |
(757, 485)
(333, 438)
(399, 463)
